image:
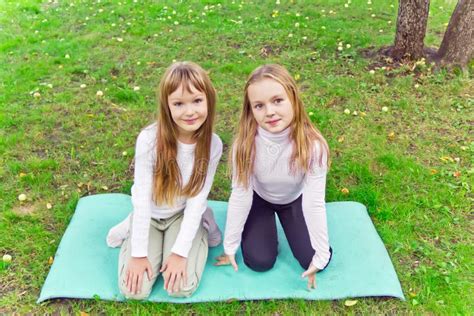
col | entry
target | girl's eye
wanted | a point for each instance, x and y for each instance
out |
(279, 100)
(258, 106)
(199, 100)
(178, 104)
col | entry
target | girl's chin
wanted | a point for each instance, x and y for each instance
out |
(190, 128)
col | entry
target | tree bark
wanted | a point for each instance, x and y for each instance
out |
(411, 28)
(457, 47)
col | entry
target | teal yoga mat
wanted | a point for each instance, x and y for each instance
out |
(84, 267)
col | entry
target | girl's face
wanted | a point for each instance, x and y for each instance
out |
(271, 106)
(188, 110)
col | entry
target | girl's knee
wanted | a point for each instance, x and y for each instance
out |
(304, 262)
(138, 296)
(187, 290)
(143, 294)
(260, 263)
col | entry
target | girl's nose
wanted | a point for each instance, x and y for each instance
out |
(189, 110)
(270, 111)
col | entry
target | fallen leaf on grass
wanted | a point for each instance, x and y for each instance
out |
(446, 158)
(350, 303)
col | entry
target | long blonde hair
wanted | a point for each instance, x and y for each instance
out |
(303, 134)
(167, 176)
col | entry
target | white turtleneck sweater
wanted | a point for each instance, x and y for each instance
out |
(274, 182)
(143, 206)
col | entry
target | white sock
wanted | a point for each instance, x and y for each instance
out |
(209, 222)
(118, 233)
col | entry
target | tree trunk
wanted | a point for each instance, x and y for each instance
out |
(411, 28)
(457, 47)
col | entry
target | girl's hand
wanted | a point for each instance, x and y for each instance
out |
(311, 274)
(174, 272)
(135, 271)
(224, 260)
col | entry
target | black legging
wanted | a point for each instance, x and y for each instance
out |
(260, 239)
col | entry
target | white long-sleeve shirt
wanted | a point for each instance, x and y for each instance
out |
(273, 181)
(144, 208)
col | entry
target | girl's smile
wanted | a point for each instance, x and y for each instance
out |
(191, 121)
(273, 122)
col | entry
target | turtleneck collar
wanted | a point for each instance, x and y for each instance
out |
(186, 147)
(280, 137)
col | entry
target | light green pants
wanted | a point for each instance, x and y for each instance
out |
(163, 234)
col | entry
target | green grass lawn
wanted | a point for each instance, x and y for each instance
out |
(410, 165)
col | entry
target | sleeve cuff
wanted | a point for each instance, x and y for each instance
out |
(139, 253)
(317, 264)
(230, 250)
(180, 251)
(321, 263)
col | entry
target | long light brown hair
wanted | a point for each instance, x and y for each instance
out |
(167, 176)
(303, 134)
